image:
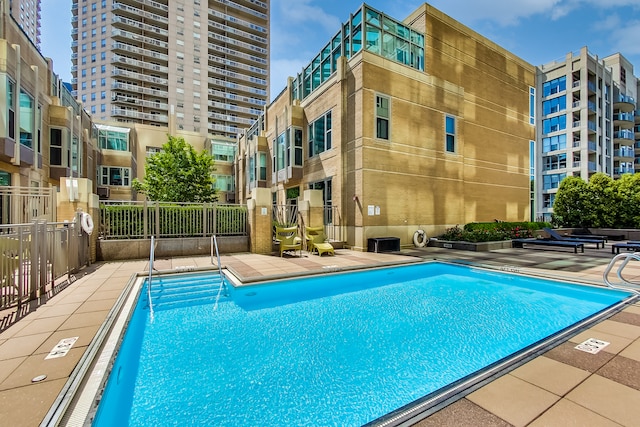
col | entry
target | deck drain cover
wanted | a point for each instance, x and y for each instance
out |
(38, 378)
(592, 345)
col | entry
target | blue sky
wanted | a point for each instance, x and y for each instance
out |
(538, 31)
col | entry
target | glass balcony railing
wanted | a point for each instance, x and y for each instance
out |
(627, 117)
(623, 134)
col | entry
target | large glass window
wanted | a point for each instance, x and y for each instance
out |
(224, 183)
(554, 124)
(114, 176)
(281, 151)
(532, 106)
(223, 152)
(450, 132)
(382, 117)
(553, 143)
(552, 181)
(554, 162)
(110, 139)
(320, 135)
(55, 147)
(26, 119)
(11, 114)
(376, 33)
(554, 86)
(554, 105)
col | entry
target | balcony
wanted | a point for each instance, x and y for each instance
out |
(591, 86)
(139, 13)
(625, 103)
(140, 51)
(624, 120)
(141, 64)
(119, 112)
(137, 101)
(139, 25)
(139, 89)
(624, 134)
(139, 77)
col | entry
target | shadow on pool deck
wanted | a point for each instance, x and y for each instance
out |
(561, 387)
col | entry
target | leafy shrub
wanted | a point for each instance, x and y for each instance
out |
(492, 231)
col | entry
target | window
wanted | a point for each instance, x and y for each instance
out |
(319, 135)
(450, 134)
(103, 94)
(224, 183)
(554, 86)
(113, 139)
(11, 113)
(152, 150)
(382, 117)
(26, 119)
(114, 176)
(552, 143)
(532, 106)
(552, 181)
(223, 152)
(554, 105)
(55, 147)
(554, 162)
(554, 124)
(326, 188)
(103, 108)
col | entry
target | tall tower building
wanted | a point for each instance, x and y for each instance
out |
(204, 64)
(27, 15)
(585, 122)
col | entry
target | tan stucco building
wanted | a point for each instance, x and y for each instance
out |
(419, 124)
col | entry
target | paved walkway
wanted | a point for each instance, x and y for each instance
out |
(562, 387)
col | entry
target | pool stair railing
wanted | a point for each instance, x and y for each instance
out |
(173, 291)
(621, 260)
(152, 250)
(214, 245)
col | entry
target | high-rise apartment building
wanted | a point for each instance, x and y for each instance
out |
(202, 63)
(27, 15)
(585, 122)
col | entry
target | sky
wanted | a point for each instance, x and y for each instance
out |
(538, 31)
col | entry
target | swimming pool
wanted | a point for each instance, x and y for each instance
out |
(341, 349)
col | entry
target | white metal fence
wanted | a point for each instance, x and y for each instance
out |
(141, 220)
(38, 257)
(20, 205)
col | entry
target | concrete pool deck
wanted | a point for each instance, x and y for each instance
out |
(562, 387)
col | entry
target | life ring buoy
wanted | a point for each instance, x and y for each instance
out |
(420, 239)
(87, 223)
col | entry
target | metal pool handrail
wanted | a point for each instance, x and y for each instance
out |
(626, 284)
(152, 251)
(214, 245)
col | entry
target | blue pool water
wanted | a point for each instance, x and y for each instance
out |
(335, 350)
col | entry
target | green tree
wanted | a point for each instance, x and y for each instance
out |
(627, 194)
(602, 200)
(571, 206)
(178, 173)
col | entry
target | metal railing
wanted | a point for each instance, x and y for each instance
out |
(624, 284)
(37, 258)
(20, 205)
(141, 220)
(152, 256)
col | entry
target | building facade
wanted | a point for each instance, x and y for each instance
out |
(403, 125)
(586, 122)
(27, 14)
(197, 69)
(140, 61)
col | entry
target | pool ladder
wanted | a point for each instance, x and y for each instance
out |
(214, 245)
(152, 251)
(625, 284)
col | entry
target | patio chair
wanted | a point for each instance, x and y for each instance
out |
(317, 241)
(556, 236)
(288, 239)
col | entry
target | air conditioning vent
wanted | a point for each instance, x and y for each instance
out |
(103, 192)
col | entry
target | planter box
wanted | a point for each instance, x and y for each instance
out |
(469, 246)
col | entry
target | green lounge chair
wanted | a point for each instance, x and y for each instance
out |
(288, 239)
(317, 241)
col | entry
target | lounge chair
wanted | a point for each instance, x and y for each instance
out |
(317, 241)
(288, 239)
(631, 245)
(519, 243)
(585, 233)
(557, 237)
